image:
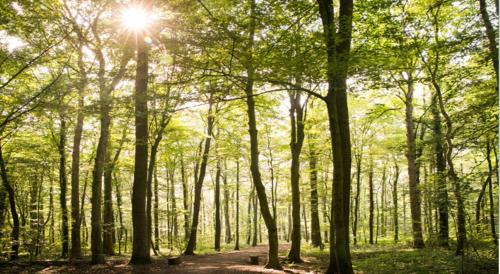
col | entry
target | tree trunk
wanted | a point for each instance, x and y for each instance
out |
(185, 199)
(395, 202)
(156, 212)
(415, 201)
(382, 202)
(226, 206)
(371, 202)
(175, 229)
(457, 187)
(490, 190)
(249, 218)
(76, 249)
(13, 211)
(108, 225)
(490, 33)
(358, 158)
(75, 156)
(337, 49)
(237, 244)
(273, 260)
(442, 188)
(199, 183)
(141, 239)
(63, 183)
(313, 173)
(255, 221)
(120, 215)
(217, 206)
(297, 140)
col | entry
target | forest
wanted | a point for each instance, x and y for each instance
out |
(252, 136)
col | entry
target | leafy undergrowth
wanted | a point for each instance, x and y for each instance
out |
(384, 258)
(480, 257)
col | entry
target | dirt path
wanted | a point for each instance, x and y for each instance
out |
(228, 262)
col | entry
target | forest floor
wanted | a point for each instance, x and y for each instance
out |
(367, 259)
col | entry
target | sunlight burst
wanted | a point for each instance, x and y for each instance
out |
(136, 18)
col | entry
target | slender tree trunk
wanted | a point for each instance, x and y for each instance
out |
(120, 214)
(382, 202)
(33, 214)
(226, 206)
(51, 213)
(313, 173)
(149, 183)
(185, 199)
(492, 202)
(371, 200)
(156, 212)
(175, 228)
(249, 216)
(415, 200)
(297, 139)
(356, 199)
(108, 226)
(63, 183)
(395, 202)
(452, 175)
(337, 49)
(76, 250)
(490, 33)
(273, 260)
(217, 206)
(13, 211)
(199, 183)
(237, 243)
(141, 239)
(255, 221)
(457, 187)
(442, 188)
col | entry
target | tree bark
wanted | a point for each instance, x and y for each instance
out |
(492, 201)
(226, 206)
(273, 260)
(237, 242)
(13, 211)
(199, 183)
(490, 33)
(156, 212)
(440, 176)
(411, 155)
(63, 183)
(102, 147)
(371, 201)
(338, 47)
(76, 250)
(185, 199)
(358, 159)
(457, 187)
(296, 143)
(141, 239)
(395, 202)
(313, 173)
(120, 215)
(217, 205)
(109, 223)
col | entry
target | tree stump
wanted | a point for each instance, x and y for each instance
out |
(174, 260)
(254, 260)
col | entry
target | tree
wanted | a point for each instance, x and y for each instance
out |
(338, 45)
(141, 240)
